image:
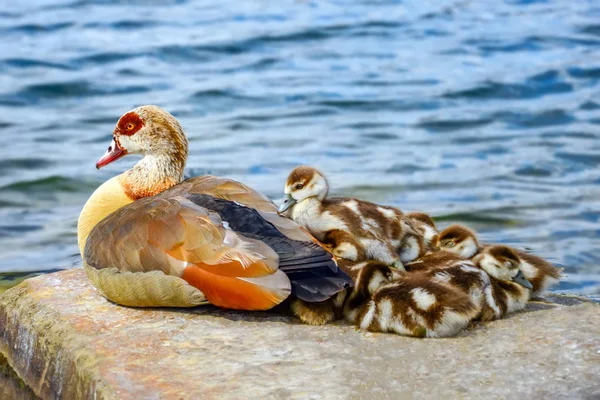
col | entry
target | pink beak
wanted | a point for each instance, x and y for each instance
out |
(113, 153)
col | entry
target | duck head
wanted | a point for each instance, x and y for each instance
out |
(502, 263)
(459, 240)
(154, 133)
(147, 130)
(303, 183)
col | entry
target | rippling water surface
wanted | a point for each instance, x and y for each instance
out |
(486, 113)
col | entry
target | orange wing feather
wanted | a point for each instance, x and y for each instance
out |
(231, 292)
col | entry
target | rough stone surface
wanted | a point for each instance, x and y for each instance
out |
(66, 341)
(11, 387)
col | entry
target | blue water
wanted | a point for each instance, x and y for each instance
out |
(481, 112)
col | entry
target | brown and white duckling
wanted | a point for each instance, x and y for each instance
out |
(487, 278)
(459, 240)
(510, 289)
(333, 308)
(426, 228)
(378, 229)
(410, 304)
(319, 313)
(371, 276)
(463, 242)
(415, 305)
(470, 279)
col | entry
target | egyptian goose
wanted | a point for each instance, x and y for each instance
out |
(463, 242)
(379, 230)
(149, 238)
(411, 305)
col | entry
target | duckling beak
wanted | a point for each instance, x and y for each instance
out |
(398, 266)
(521, 280)
(113, 153)
(287, 203)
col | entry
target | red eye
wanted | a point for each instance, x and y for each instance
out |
(130, 126)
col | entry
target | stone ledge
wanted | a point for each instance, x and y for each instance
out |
(66, 341)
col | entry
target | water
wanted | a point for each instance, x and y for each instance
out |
(486, 113)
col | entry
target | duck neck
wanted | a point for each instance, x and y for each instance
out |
(152, 175)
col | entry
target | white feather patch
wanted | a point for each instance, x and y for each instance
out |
(352, 205)
(423, 299)
(368, 317)
(376, 281)
(410, 250)
(385, 314)
(468, 248)
(391, 214)
(347, 251)
(491, 302)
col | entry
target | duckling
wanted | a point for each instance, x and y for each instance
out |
(412, 245)
(539, 272)
(463, 242)
(333, 308)
(378, 229)
(459, 240)
(371, 275)
(438, 302)
(510, 290)
(426, 227)
(468, 278)
(492, 280)
(415, 305)
(319, 313)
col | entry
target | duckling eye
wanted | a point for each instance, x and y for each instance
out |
(449, 243)
(299, 186)
(130, 126)
(508, 264)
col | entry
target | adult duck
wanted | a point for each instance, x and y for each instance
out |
(149, 238)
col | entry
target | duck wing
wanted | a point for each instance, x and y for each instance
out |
(314, 274)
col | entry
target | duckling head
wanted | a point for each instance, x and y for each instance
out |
(459, 240)
(422, 217)
(374, 275)
(504, 264)
(304, 182)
